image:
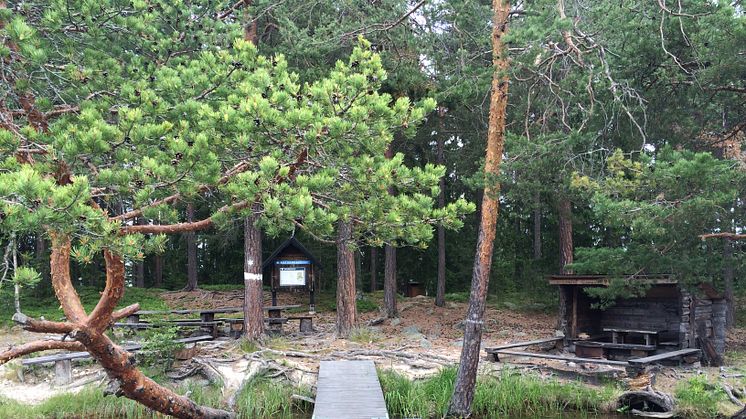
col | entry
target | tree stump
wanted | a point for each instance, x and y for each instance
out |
(63, 372)
(306, 324)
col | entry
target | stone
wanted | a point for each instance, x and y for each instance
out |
(411, 330)
(425, 344)
(395, 322)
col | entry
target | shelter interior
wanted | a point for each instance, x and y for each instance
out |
(667, 318)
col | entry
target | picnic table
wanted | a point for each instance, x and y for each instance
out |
(207, 320)
(619, 335)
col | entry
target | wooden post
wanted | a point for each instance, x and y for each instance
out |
(63, 372)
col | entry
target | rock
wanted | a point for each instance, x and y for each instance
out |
(411, 330)
(521, 334)
(458, 343)
(425, 344)
(572, 364)
(395, 321)
(459, 325)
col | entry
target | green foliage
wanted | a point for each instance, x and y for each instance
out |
(510, 394)
(655, 208)
(698, 398)
(266, 398)
(91, 402)
(158, 347)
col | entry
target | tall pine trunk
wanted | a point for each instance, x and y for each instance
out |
(440, 158)
(728, 275)
(463, 392)
(565, 235)
(346, 310)
(373, 269)
(537, 227)
(389, 282)
(191, 253)
(139, 281)
(389, 274)
(158, 271)
(253, 310)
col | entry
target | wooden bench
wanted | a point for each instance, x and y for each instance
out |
(207, 319)
(63, 361)
(666, 355)
(495, 349)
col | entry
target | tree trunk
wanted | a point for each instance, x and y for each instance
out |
(565, 235)
(537, 227)
(389, 274)
(41, 250)
(191, 253)
(463, 392)
(389, 282)
(440, 159)
(358, 275)
(158, 271)
(16, 285)
(139, 280)
(373, 269)
(728, 275)
(118, 363)
(253, 310)
(346, 310)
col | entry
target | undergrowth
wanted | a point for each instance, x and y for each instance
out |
(508, 395)
(699, 399)
(264, 398)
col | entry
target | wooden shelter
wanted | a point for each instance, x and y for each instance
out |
(292, 267)
(667, 318)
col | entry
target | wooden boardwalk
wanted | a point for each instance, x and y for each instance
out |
(349, 390)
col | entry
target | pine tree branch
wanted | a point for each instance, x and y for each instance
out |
(38, 346)
(42, 326)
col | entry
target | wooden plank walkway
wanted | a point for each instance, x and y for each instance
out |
(349, 390)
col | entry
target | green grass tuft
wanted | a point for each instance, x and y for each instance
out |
(508, 395)
(698, 398)
(265, 398)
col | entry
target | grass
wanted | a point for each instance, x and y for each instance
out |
(90, 402)
(265, 398)
(49, 307)
(364, 335)
(697, 398)
(508, 395)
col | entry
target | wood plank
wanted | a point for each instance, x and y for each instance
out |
(522, 344)
(349, 389)
(82, 355)
(564, 358)
(612, 329)
(660, 357)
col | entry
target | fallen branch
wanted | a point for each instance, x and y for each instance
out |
(733, 398)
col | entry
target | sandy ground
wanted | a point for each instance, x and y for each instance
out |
(418, 343)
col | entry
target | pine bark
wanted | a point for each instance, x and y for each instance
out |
(253, 310)
(463, 393)
(565, 235)
(373, 269)
(537, 227)
(389, 282)
(389, 274)
(191, 253)
(139, 277)
(346, 310)
(728, 276)
(440, 159)
(158, 271)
